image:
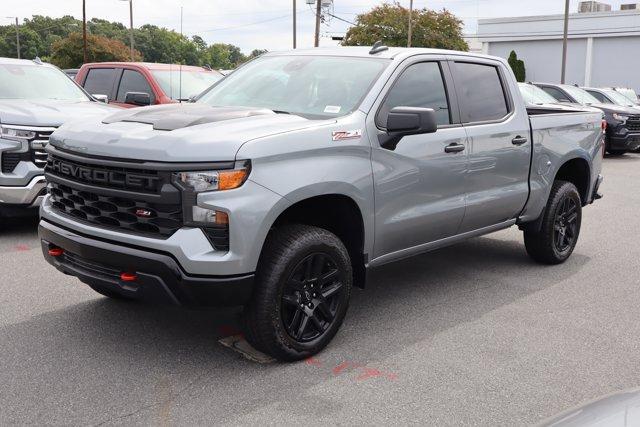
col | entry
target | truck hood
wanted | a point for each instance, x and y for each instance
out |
(612, 108)
(176, 133)
(49, 112)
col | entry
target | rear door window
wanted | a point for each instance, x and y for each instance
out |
(99, 81)
(420, 85)
(481, 94)
(556, 93)
(600, 97)
(133, 81)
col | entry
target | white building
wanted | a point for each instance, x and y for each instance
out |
(603, 48)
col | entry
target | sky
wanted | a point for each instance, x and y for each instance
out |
(267, 24)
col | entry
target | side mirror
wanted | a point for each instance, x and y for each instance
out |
(100, 98)
(137, 98)
(404, 121)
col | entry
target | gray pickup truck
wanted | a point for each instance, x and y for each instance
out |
(35, 98)
(289, 181)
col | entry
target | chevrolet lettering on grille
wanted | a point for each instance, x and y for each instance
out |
(102, 176)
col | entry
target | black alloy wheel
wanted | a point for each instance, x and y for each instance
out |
(565, 224)
(311, 297)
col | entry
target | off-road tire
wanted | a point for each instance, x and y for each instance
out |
(283, 254)
(542, 244)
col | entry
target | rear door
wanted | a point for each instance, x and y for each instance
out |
(497, 127)
(419, 186)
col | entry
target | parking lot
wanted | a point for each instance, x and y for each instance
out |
(474, 334)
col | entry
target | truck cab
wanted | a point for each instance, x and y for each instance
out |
(137, 84)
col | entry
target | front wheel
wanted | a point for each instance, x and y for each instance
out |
(302, 291)
(554, 242)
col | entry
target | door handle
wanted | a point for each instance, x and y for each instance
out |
(519, 140)
(454, 148)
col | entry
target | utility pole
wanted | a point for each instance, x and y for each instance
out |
(294, 24)
(84, 32)
(410, 23)
(17, 38)
(564, 42)
(131, 26)
(318, 13)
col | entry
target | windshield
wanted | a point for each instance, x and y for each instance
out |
(25, 81)
(618, 98)
(309, 86)
(534, 95)
(193, 82)
(580, 95)
(629, 93)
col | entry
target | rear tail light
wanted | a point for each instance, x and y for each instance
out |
(604, 125)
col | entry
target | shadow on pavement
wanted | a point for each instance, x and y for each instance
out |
(110, 361)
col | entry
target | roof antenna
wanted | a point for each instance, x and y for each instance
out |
(377, 48)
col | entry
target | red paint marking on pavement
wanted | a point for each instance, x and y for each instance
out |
(391, 376)
(369, 373)
(313, 361)
(21, 248)
(341, 367)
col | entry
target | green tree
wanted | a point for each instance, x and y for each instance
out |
(517, 65)
(390, 23)
(67, 53)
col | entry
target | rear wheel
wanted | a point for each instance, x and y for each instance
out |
(556, 239)
(302, 291)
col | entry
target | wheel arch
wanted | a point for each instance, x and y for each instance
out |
(336, 212)
(577, 171)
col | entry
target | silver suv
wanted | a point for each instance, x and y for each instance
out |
(35, 98)
(294, 177)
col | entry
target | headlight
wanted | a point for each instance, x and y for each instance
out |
(620, 117)
(200, 181)
(16, 133)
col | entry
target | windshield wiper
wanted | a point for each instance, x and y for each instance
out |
(281, 112)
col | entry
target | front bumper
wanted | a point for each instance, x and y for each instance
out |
(30, 195)
(629, 142)
(160, 278)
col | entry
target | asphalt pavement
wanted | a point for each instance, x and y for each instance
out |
(474, 334)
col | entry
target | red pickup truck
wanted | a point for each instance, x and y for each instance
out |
(134, 84)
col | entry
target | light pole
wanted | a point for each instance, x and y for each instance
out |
(130, 26)
(564, 42)
(17, 35)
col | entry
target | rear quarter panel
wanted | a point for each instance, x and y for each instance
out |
(558, 138)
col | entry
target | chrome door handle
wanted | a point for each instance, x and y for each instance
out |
(454, 148)
(519, 140)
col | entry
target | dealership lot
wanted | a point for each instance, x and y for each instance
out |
(475, 333)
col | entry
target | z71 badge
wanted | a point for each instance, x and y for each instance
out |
(341, 135)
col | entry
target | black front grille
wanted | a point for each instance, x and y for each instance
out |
(113, 177)
(121, 213)
(633, 123)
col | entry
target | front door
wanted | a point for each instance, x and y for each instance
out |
(419, 186)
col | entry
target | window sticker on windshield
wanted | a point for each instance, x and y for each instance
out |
(332, 109)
